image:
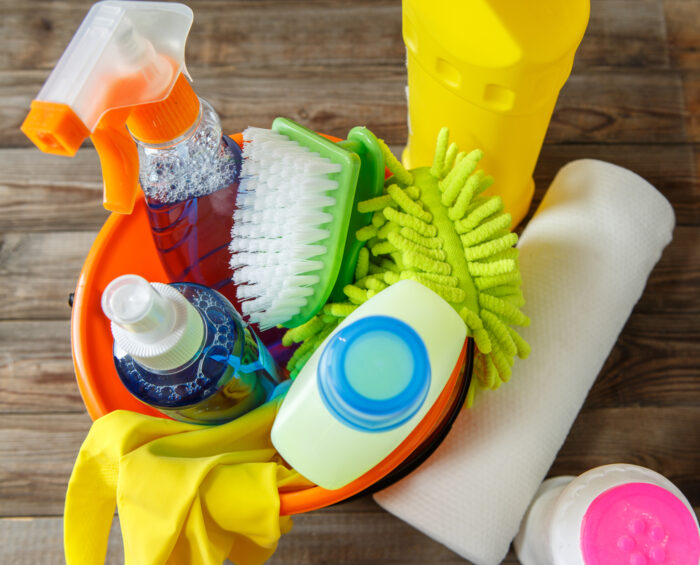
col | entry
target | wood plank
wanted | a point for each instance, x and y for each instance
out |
(660, 340)
(691, 93)
(39, 271)
(666, 440)
(36, 368)
(682, 29)
(621, 33)
(672, 169)
(37, 453)
(229, 32)
(40, 540)
(620, 106)
(654, 362)
(66, 194)
(330, 100)
(38, 450)
(43, 192)
(315, 539)
(325, 99)
(660, 344)
(673, 285)
(361, 538)
(624, 33)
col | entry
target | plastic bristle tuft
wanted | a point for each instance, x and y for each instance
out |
(280, 225)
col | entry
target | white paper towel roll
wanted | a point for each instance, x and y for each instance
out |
(585, 258)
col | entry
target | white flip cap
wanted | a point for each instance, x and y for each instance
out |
(152, 322)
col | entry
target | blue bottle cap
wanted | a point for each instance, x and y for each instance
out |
(374, 374)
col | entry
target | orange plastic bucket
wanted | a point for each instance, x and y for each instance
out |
(124, 245)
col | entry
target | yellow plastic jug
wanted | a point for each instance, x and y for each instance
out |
(491, 71)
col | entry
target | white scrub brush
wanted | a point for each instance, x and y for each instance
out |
(295, 209)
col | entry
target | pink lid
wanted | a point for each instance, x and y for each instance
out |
(639, 524)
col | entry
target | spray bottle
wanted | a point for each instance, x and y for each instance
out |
(491, 71)
(122, 82)
(184, 350)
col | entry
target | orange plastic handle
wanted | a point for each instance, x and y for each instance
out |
(54, 128)
(119, 159)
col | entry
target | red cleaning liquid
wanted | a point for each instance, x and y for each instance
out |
(192, 238)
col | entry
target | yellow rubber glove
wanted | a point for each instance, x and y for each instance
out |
(186, 494)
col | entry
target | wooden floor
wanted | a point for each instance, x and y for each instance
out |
(633, 99)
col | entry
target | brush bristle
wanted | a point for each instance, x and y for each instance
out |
(278, 227)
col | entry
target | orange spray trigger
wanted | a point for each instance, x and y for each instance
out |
(126, 57)
(119, 159)
(54, 128)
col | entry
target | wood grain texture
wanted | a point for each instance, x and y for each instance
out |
(681, 17)
(633, 99)
(602, 106)
(66, 194)
(620, 107)
(369, 537)
(36, 368)
(662, 352)
(59, 195)
(242, 64)
(268, 33)
(691, 94)
(637, 40)
(39, 271)
(40, 540)
(672, 169)
(645, 369)
(673, 285)
(360, 538)
(38, 450)
(664, 439)
(225, 33)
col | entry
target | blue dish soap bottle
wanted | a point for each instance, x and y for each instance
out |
(122, 81)
(184, 350)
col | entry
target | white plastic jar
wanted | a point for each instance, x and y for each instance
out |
(615, 514)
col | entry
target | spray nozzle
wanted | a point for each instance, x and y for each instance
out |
(133, 304)
(152, 322)
(124, 66)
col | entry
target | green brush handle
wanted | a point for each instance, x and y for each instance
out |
(346, 200)
(370, 183)
(361, 178)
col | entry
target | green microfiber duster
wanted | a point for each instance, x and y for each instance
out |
(433, 225)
